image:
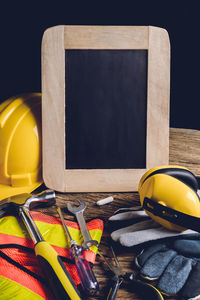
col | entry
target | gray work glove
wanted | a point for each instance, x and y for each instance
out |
(131, 227)
(175, 264)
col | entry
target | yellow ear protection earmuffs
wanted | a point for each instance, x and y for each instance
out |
(169, 195)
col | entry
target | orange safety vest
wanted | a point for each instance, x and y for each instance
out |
(20, 274)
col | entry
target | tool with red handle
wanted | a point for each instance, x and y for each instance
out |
(87, 278)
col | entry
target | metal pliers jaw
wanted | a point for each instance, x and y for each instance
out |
(117, 279)
(146, 290)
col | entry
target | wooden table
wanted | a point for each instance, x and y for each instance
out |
(184, 150)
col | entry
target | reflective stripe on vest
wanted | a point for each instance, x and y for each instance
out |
(24, 282)
(12, 290)
(52, 231)
(14, 280)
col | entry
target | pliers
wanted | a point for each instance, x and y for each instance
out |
(145, 290)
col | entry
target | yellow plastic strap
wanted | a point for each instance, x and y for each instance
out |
(13, 290)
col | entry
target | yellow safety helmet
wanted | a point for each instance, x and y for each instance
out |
(20, 144)
(169, 195)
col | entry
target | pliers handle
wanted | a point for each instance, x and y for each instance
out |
(145, 290)
(113, 287)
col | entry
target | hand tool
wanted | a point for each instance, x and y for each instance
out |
(59, 279)
(147, 291)
(86, 275)
(78, 212)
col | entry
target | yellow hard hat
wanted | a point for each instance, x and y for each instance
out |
(169, 195)
(20, 144)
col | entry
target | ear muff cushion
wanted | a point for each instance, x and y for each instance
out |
(183, 175)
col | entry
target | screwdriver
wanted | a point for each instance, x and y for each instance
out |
(87, 278)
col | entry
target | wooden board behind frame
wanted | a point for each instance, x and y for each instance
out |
(55, 41)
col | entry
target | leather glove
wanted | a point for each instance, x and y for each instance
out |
(131, 227)
(175, 264)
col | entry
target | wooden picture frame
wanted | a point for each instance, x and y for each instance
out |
(55, 41)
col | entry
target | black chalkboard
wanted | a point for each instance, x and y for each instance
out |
(105, 109)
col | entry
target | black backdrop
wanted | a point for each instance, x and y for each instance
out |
(22, 26)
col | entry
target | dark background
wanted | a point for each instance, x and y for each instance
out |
(22, 26)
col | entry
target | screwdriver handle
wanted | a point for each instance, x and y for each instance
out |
(57, 275)
(113, 286)
(87, 278)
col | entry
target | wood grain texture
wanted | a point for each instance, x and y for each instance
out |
(53, 102)
(106, 37)
(158, 97)
(185, 148)
(184, 151)
(55, 41)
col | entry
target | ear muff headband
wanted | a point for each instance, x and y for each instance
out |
(198, 181)
(173, 200)
(181, 174)
(171, 215)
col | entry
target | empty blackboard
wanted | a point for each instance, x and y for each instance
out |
(105, 106)
(106, 99)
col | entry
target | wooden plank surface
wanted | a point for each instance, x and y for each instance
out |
(184, 150)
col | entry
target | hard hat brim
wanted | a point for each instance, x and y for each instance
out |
(8, 191)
